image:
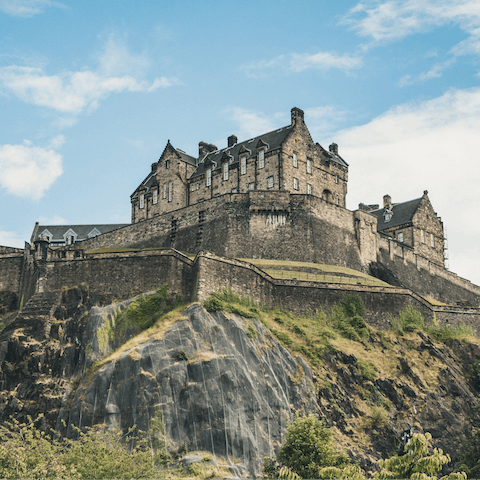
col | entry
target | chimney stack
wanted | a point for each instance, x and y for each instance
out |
(333, 148)
(204, 148)
(387, 202)
(232, 140)
(297, 115)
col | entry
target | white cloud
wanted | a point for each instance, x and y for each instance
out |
(250, 123)
(324, 60)
(395, 19)
(55, 220)
(300, 62)
(431, 145)
(323, 120)
(11, 239)
(28, 171)
(70, 92)
(26, 8)
(434, 72)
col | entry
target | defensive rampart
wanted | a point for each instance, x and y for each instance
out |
(123, 274)
(425, 277)
(10, 272)
(258, 224)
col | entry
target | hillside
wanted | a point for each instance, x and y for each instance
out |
(227, 376)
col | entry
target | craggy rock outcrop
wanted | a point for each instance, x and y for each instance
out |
(218, 381)
(223, 383)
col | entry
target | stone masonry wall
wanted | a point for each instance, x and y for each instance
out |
(10, 272)
(424, 277)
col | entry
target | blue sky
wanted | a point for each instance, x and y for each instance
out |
(90, 92)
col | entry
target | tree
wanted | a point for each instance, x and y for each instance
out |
(309, 452)
(416, 462)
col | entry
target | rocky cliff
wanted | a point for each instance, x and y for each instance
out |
(230, 382)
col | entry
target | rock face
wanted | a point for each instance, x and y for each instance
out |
(216, 386)
(221, 382)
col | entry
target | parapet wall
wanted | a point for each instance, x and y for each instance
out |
(121, 275)
(258, 224)
(425, 277)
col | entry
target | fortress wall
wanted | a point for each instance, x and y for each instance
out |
(10, 272)
(123, 275)
(258, 224)
(425, 277)
(9, 250)
(215, 273)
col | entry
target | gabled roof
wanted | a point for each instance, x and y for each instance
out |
(272, 140)
(402, 213)
(82, 231)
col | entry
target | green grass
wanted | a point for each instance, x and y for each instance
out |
(314, 272)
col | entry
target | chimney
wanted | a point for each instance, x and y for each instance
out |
(387, 202)
(232, 140)
(333, 148)
(297, 115)
(204, 148)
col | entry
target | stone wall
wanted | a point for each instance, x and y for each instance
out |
(123, 275)
(9, 250)
(425, 277)
(10, 272)
(258, 224)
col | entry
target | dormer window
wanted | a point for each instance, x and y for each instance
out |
(155, 196)
(47, 235)
(70, 237)
(295, 160)
(261, 158)
(243, 165)
(209, 177)
(93, 233)
(142, 200)
(225, 171)
(387, 215)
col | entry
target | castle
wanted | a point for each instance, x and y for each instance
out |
(279, 195)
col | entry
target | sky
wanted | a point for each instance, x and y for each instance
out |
(91, 91)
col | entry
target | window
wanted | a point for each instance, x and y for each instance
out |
(170, 191)
(400, 237)
(243, 165)
(142, 200)
(336, 178)
(225, 171)
(295, 160)
(192, 187)
(155, 196)
(422, 233)
(432, 240)
(325, 176)
(270, 182)
(309, 166)
(309, 189)
(337, 200)
(209, 177)
(198, 186)
(251, 186)
(261, 158)
(234, 190)
(295, 183)
(167, 163)
(164, 190)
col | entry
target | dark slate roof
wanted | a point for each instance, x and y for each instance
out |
(82, 231)
(402, 213)
(186, 158)
(273, 140)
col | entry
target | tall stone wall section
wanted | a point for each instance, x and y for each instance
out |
(10, 272)
(259, 224)
(424, 277)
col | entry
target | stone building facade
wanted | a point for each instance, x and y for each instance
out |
(286, 159)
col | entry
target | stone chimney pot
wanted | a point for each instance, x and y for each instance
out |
(333, 148)
(232, 140)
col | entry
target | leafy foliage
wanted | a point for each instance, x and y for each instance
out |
(309, 452)
(417, 463)
(28, 452)
(352, 305)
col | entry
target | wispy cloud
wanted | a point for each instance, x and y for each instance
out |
(324, 60)
(28, 171)
(75, 92)
(53, 220)
(390, 20)
(26, 8)
(324, 119)
(11, 239)
(250, 123)
(434, 72)
(300, 62)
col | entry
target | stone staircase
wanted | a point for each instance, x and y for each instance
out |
(42, 304)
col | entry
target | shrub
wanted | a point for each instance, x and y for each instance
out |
(367, 370)
(408, 321)
(181, 355)
(447, 333)
(379, 417)
(353, 305)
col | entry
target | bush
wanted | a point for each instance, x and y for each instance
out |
(379, 417)
(367, 370)
(408, 321)
(353, 305)
(447, 333)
